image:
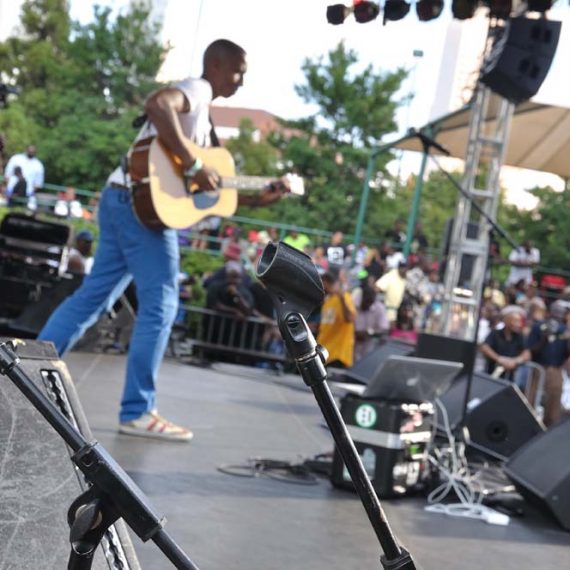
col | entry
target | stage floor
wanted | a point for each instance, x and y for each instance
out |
(225, 522)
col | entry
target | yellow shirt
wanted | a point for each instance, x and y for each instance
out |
(336, 334)
(393, 285)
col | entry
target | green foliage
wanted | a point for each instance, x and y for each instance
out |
(80, 85)
(547, 226)
(330, 149)
(438, 203)
(197, 263)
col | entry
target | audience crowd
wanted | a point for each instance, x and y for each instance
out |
(373, 293)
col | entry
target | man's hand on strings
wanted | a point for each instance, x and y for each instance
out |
(206, 179)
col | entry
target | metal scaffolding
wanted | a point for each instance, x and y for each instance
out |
(468, 252)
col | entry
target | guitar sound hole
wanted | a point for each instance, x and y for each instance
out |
(204, 199)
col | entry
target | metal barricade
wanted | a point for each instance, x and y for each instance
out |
(208, 334)
(537, 375)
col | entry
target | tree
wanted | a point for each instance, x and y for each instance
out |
(331, 148)
(547, 226)
(80, 87)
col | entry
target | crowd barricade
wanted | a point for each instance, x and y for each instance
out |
(213, 335)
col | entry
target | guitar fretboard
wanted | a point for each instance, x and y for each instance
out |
(245, 182)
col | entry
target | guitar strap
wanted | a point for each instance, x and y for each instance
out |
(215, 141)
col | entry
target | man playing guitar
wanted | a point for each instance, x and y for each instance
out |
(129, 250)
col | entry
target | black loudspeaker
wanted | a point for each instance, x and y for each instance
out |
(366, 369)
(541, 472)
(35, 315)
(520, 60)
(38, 480)
(439, 347)
(498, 417)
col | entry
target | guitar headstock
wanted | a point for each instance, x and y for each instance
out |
(295, 183)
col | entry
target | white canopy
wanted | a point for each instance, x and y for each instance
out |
(539, 137)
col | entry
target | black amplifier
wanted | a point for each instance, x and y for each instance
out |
(391, 439)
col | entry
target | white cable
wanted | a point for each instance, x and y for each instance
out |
(452, 465)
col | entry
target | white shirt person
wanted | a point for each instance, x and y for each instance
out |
(32, 169)
(523, 260)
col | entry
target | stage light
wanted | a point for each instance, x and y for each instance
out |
(395, 10)
(337, 13)
(500, 8)
(428, 9)
(463, 9)
(365, 11)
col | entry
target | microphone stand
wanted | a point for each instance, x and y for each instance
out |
(112, 495)
(296, 290)
(428, 142)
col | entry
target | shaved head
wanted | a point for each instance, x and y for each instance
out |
(222, 49)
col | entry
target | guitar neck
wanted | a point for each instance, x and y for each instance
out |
(245, 182)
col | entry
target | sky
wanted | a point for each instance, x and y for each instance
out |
(279, 35)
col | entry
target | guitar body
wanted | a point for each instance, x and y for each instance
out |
(161, 197)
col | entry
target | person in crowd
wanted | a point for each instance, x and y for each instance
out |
(419, 240)
(505, 347)
(336, 252)
(393, 285)
(536, 314)
(336, 326)
(494, 294)
(523, 260)
(297, 240)
(396, 235)
(394, 257)
(231, 295)
(434, 290)
(404, 328)
(203, 231)
(32, 169)
(18, 188)
(374, 264)
(417, 285)
(129, 250)
(80, 260)
(530, 296)
(320, 260)
(548, 343)
(371, 320)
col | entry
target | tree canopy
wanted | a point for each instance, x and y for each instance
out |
(80, 87)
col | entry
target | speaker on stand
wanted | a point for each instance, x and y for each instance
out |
(520, 60)
(39, 481)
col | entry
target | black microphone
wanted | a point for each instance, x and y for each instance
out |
(428, 141)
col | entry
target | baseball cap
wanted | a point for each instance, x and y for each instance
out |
(84, 235)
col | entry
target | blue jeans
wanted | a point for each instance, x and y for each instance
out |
(126, 250)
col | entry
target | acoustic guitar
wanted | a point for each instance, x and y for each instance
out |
(164, 198)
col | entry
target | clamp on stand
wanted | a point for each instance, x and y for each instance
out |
(112, 495)
(296, 290)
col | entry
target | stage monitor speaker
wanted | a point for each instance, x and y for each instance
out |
(498, 417)
(366, 369)
(519, 62)
(541, 472)
(39, 481)
(441, 347)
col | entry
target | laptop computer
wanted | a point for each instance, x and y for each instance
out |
(412, 379)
